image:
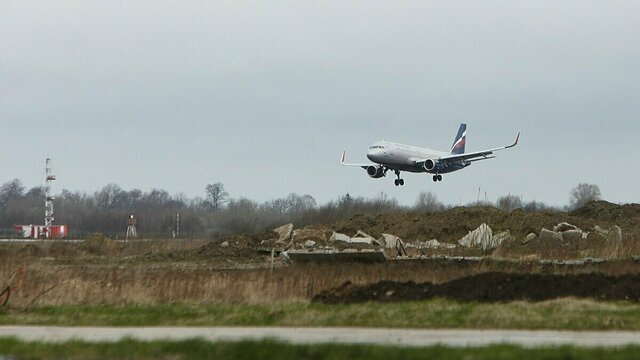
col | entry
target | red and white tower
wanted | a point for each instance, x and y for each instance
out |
(48, 202)
(48, 230)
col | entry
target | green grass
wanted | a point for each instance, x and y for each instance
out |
(198, 349)
(566, 314)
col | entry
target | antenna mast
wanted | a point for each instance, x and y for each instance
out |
(132, 233)
(48, 202)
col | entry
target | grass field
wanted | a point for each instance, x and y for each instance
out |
(196, 349)
(104, 282)
(561, 314)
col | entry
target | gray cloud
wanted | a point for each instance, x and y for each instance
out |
(264, 96)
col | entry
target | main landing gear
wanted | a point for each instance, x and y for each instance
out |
(437, 177)
(398, 181)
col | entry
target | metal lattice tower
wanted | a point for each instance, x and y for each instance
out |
(132, 233)
(48, 202)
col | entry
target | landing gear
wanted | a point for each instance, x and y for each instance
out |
(398, 181)
(437, 177)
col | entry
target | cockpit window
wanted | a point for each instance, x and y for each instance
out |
(376, 147)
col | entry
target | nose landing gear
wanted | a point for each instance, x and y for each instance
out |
(437, 177)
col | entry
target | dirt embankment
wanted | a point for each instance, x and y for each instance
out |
(450, 226)
(623, 215)
(492, 287)
(599, 230)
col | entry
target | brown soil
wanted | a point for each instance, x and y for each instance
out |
(237, 248)
(452, 225)
(605, 211)
(626, 216)
(492, 287)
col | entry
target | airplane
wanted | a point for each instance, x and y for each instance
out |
(399, 157)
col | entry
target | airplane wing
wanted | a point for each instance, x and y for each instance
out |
(343, 158)
(473, 156)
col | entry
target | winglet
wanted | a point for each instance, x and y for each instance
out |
(515, 143)
(344, 154)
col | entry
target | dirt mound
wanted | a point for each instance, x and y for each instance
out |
(452, 225)
(608, 212)
(237, 248)
(493, 287)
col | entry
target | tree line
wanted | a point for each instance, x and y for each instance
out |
(217, 213)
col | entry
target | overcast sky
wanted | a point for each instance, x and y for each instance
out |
(263, 96)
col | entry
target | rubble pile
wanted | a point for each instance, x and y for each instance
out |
(563, 241)
(283, 233)
(483, 238)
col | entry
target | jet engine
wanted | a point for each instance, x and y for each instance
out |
(375, 171)
(429, 165)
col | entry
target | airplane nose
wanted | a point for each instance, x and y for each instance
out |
(373, 155)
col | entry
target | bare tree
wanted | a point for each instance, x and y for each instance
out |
(537, 206)
(276, 206)
(292, 204)
(111, 196)
(382, 203)
(509, 202)
(299, 203)
(217, 196)
(10, 190)
(240, 216)
(582, 194)
(428, 202)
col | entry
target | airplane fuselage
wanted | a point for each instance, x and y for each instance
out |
(404, 157)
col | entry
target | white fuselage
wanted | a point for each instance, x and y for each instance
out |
(401, 157)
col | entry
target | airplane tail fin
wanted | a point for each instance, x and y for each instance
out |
(458, 144)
